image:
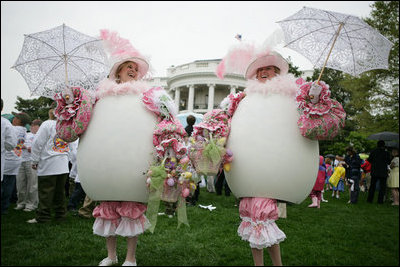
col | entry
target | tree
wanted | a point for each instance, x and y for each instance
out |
(371, 101)
(294, 69)
(37, 108)
(385, 96)
(385, 18)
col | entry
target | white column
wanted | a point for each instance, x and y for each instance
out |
(191, 98)
(177, 97)
(211, 90)
(233, 89)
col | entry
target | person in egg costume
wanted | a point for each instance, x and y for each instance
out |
(115, 147)
(267, 114)
(125, 218)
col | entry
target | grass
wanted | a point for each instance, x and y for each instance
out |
(337, 234)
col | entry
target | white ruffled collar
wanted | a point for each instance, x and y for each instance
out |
(285, 84)
(110, 87)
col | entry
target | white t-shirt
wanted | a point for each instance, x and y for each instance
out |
(26, 155)
(50, 152)
(72, 158)
(8, 140)
(13, 158)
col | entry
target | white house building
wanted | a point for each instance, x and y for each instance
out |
(196, 88)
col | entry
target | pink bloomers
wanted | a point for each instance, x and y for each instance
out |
(258, 222)
(124, 218)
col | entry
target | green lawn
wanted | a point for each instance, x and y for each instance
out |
(337, 234)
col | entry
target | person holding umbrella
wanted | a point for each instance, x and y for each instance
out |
(112, 216)
(263, 132)
(118, 144)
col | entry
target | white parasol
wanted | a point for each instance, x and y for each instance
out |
(59, 58)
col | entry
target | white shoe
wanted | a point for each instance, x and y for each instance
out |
(108, 262)
(324, 200)
(28, 209)
(19, 207)
(129, 263)
(32, 221)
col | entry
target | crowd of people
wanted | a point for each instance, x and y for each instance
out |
(40, 163)
(377, 172)
(43, 189)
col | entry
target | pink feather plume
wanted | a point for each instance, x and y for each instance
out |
(237, 60)
(118, 46)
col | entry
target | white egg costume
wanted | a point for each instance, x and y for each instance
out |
(116, 150)
(271, 158)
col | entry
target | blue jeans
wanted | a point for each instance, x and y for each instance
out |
(7, 187)
(77, 196)
(355, 176)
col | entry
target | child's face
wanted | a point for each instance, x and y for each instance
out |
(34, 128)
(17, 122)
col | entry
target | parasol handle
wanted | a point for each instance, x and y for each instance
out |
(66, 72)
(334, 41)
(67, 92)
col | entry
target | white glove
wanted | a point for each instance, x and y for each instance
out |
(68, 95)
(315, 90)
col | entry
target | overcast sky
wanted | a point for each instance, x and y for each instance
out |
(171, 33)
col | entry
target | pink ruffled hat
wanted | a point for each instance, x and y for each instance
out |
(122, 51)
(270, 59)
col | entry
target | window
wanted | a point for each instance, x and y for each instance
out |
(202, 64)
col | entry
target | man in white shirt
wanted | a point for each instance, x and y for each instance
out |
(8, 140)
(8, 143)
(50, 158)
(12, 160)
(27, 188)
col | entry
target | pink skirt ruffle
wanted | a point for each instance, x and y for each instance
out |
(120, 218)
(258, 225)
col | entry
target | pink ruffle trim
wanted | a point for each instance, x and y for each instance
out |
(216, 121)
(324, 104)
(120, 218)
(283, 85)
(125, 226)
(169, 133)
(320, 121)
(110, 87)
(260, 234)
(179, 149)
(66, 111)
(73, 119)
(258, 222)
(148, 99)
(231, 102)
(258, 208)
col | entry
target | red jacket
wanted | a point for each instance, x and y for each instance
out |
(366, 166)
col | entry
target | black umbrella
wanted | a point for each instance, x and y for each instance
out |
(385, 136)
(392, 144)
